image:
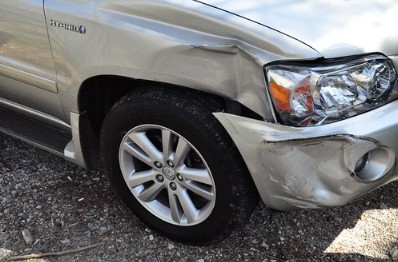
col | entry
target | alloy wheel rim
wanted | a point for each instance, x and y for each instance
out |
(167, 175)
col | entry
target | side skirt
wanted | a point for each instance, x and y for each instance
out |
(43, 131)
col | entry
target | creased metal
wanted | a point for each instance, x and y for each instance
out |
(178, 42)
(333, 28)
(313, 166)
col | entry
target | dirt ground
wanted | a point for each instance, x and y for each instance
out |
(61, 207)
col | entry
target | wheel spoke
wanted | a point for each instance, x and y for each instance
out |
(182, 151)
(176, 167)
(129, 148)
(195, 174)
(139, 178)
(151, 192)
(187, 205)
(174, 209)
(143, 142)
(199, 191)
(166, 144)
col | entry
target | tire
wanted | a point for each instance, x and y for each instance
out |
(203, 192)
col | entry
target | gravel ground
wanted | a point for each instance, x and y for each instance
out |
(60, 206)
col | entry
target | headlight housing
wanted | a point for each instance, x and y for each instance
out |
(305, 95)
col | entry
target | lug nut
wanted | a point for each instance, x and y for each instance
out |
(158, 164)
(171, 164)
(179, 177)
(173, 186)
(159, 178)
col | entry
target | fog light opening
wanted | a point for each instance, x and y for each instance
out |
(361, 164)
(375, 164)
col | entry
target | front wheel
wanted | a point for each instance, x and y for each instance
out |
(174, 182)
(174, 166)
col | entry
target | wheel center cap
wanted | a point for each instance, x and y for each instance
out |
(169, 173)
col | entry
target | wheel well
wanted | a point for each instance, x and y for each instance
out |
(98, 94)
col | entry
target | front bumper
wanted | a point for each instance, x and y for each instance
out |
(314, 167)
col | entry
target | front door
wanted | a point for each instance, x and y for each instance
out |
(27, 74)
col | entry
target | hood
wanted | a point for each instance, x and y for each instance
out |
(333, 28)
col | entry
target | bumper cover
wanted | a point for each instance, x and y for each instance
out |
(313, 167)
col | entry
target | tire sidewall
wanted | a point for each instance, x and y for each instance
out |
(126, 116)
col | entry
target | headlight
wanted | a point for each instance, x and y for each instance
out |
(316, 95)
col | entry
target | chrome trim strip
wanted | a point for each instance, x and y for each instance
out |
(34, 113)
(28, 78)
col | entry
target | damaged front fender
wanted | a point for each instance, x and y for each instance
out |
(176, 42)
(319, 166)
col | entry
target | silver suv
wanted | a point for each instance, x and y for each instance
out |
(198, 108)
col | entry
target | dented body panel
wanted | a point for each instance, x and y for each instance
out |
(178, 42)
(315, 166)
(221, 48)
(334, 28)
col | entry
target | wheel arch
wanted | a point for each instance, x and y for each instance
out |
(99, 93)
(190, 116)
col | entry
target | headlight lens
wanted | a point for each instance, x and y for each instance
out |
(308, 96)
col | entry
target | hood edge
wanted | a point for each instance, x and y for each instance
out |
(254, 21)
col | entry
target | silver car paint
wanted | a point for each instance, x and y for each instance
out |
(27, 73)
(180, 42)
(24, 43)
(333, 28)
(312, 167)
(193, 44)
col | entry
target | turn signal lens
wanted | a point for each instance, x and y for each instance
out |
(281, 96)
(307, 96)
